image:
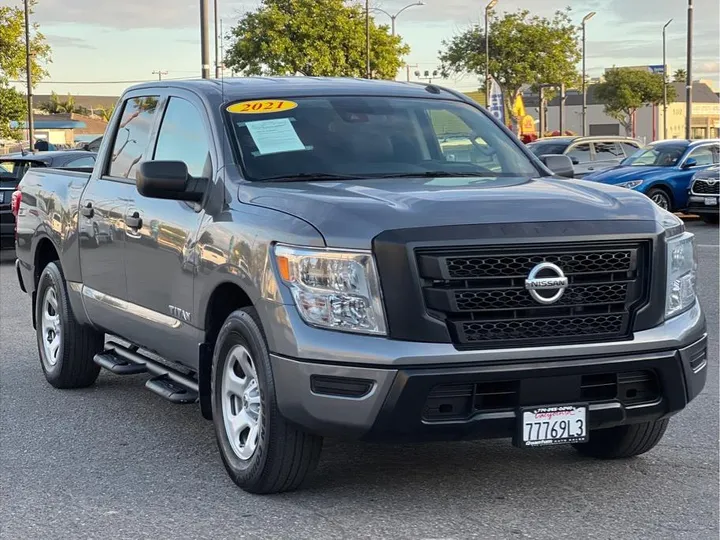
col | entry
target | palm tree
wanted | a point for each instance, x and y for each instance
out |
(53, 106)
(680, 75)
(106, 112)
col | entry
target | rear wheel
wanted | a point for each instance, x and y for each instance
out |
(623, 441)
(661, 198)
(66, 347)
(261, 452)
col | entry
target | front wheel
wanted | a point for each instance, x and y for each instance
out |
(66, 347)
(623, 441)
(261, 452)
(661, 198)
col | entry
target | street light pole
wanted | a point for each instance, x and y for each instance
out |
(204, 45)
(688, 73)
(491, 5)
(367, 39)
(217, 45)
(393, 17)
(665, 81)
(586, 18)
(28, 69)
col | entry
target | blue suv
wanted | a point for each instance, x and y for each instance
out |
(663, 170)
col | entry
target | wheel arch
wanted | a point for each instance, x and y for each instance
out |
(44, 253)
(665, 188)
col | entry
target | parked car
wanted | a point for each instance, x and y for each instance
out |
(705, 194)
(352, 279)
(12, 169)
(663, 170)
(588, 154)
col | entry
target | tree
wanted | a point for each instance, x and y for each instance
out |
(13, 67)
(524, 49)
(625, 90)
(105, 112)
(680, 75)
(312, 38)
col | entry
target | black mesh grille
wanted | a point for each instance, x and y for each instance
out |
(520, 265)
(475, 331)
(702, 187)
(481, 294)
(479, 299)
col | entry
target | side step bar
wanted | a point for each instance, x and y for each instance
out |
(168, 383)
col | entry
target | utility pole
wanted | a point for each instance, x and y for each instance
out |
(217, 45)
(28, 68)
(688, 74)
(586, 18)
(204, 45)
(160, 74)
(487, 52)
(367, 39)
(562, 109)
(665, 81)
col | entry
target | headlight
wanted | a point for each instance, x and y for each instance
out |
(631, 184)
(338, 290)
(681, 272)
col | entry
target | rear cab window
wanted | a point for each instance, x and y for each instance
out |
(370, 136)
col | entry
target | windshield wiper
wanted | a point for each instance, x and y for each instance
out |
(436, 174)
(309, 176)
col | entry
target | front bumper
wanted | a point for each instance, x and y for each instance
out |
(424, 401)
(696, 205)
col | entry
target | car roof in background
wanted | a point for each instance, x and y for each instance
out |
(44, 156)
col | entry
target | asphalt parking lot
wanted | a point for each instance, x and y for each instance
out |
(116, 461)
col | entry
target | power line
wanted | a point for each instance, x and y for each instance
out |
(109, 82)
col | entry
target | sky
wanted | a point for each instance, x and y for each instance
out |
(98, 47)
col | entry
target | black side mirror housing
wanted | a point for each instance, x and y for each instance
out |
(169, 180)
(559, 164)
(689, 162)
(574, 160)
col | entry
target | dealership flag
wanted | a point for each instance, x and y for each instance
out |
(497, 106)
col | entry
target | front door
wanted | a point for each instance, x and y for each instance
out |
(102, 231)
(160, 245)
(581, 158)
(607, 154)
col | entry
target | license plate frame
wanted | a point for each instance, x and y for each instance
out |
(555, 414)
(710, 201)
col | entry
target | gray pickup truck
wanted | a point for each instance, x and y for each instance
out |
(310, 258)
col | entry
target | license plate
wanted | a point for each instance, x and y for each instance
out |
(711, 201)
(551, 425)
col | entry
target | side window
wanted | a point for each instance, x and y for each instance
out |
(183, 138)
(629, 149)
(132, 136)
(581, 153)
(86, 161)
(458, 143)
(703, 155)
(607, 151)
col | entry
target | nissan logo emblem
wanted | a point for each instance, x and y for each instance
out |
(546, 277)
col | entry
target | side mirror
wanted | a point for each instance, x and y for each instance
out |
(574, 160)
(168, 180)
(689, 162)
(559, 164)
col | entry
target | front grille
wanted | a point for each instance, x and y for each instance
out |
(703, 187)
(481, 294)
(462, 400)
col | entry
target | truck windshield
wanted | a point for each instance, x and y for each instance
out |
(656, 156)
(334, 138)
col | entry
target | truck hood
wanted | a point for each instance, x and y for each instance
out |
(617, 175)
(351, 213)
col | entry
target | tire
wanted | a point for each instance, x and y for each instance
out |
(660, 197)
(69, 362)
(274, 456)
(623, 441)
(710, 220)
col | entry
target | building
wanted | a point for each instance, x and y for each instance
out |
(648, 122)
(65, 129)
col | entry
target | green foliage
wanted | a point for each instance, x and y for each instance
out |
(524, 49)
(105, 112)
(13, 65)
(680, 75)
(312, 38)
(626, 90)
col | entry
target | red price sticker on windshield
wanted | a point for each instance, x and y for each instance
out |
(263, 106)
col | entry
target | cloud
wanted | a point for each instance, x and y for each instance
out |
(69, 42)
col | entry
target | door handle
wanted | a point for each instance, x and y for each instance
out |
(87, 210)
(134, 221)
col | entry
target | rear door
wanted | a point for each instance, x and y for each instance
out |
(103, 209)
(607, 155)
